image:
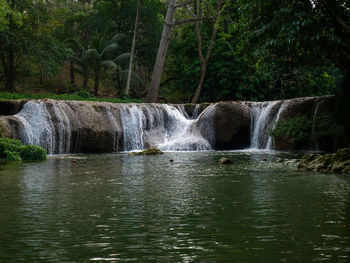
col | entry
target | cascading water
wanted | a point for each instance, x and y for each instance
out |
(264, 116)
(162, 126)
(69, 127)
(37, 127)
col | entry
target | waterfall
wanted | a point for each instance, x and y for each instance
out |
(313, 124)
(37, 127)
(71, 127)
(264, 116)
(196, 111)
(163, 126)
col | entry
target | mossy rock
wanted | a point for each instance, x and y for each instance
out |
(149, 151)
(338, 162)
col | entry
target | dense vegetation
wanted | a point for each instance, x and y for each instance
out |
(14, 150)
(262, 50)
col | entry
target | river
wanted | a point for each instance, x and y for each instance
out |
(121, 208)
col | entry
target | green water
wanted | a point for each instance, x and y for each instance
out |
(120, 208)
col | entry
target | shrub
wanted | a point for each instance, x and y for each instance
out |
(296, 129)
(11, 145)
(33, 153)
(14, 150)
(12, 156)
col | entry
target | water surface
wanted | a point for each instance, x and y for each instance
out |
(120, 208)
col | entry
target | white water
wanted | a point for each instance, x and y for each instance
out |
(263, 120)
(163, 126)
(37, 127)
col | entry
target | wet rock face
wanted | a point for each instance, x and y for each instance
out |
(311, 107)
(11, 107)
(66, 126)
(338, 162)
(226, 125)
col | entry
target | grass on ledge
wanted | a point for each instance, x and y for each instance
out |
(82, 96)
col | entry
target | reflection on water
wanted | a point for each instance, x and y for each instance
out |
(121, 208)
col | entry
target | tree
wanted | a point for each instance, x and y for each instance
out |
(105, 54)
(163, 47)
(152, 94)
(81, 60)
(204, 61)
(133, 48)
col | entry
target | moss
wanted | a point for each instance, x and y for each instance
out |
(149, 151)
(330, 163)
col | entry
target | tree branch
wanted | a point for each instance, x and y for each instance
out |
(191, 20)
(184, 4)
(343, 24)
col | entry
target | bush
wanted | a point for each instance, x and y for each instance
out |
(12, 156)
(14, 150)
(33, 153)
(11, 145)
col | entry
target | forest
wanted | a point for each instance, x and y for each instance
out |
(175, 51)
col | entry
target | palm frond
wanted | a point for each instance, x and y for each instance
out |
(109, 64)
(118, 37)
(134, 76)
(122, 59)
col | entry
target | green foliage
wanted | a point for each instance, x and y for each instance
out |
(302, 128)
(295, 129)
(12, 156)
(80, 95)
(10, 145)
(14, 150)
(33, 153)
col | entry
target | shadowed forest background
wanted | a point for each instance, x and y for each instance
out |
(263, 50)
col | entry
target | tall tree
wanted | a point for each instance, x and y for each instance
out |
(152, 95)
(205, 60)
(127, 88)
(169, 22)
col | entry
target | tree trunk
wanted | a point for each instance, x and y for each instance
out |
(97, 83)
(200, 84)
(133, 48)
(86, 79)
(152, 95)
(210, 49)
(71, 72)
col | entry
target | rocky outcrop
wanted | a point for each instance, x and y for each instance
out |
(86, 127)
(226, 125)
(311, 107)
(338, 162)
(11, 107)
(66, 126)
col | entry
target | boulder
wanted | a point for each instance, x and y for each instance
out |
(311, 107)
(226, 125)
(11, 107)
(149, 151)
(338, 162)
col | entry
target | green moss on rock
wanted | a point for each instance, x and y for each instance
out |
(149, 151)
(338, 162)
